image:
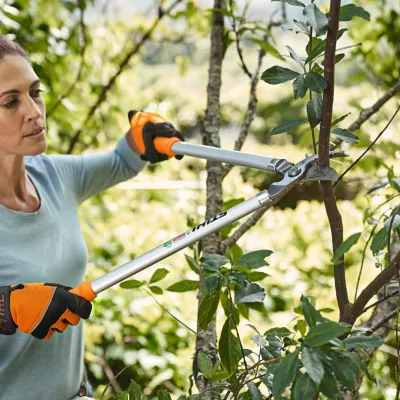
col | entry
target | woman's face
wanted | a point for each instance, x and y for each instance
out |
(22, 109)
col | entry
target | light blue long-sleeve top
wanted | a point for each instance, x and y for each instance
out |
(48, 246)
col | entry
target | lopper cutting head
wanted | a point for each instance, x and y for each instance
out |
(304, 171)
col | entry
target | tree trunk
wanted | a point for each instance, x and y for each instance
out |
(207, 340)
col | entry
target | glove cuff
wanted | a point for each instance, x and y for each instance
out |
(7, 326)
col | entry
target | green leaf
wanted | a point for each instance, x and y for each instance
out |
(314, 110)
(336, 121)
(317, 69)
(279, 332)
(346, 372)
(301, 327)
(292, 2)
(259, 341)
(219, 373)
(207, 309)
(303, 26)
(134, 391)
(380, 241)
(311, 359)
(122, 396)
(156, 289)
(276, 75)
(346, 135)
(329, 386)
(295, 57)
(338, 57)
(229, 348)
(349, 11)
(363, 342)
(211, 283)
(311, 315)
(250, 293)
(392, 222)
(316, 51)
(320, 47)
(316, 19)
(312, 45)
(286, 126)
(257, 276)
(254, 391)
(345, 246)
(285, 373)
(158, 275)
(213, 262)
(163, 395)
(315, 82)
(303, 388)
(299, 87)
(254, 259)
(193, 264)
(205, 364)
(323, 333)
(356, 360)
(131, 284)
(268, 48)
(184, 286)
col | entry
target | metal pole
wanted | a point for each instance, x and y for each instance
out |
(231, 157)
(174, 245)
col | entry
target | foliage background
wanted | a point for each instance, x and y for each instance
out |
(128, 328)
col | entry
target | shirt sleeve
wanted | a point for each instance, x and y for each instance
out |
(90, 174)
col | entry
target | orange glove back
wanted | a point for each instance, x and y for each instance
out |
(145, 128)
(40, 309)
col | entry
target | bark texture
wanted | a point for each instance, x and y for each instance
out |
(206, 341)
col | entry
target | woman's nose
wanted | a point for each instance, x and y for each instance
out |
(33, 111)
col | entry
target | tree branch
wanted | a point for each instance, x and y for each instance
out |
(237, 38)
(368, 148)
(102, 96)
(249, 223)
(367, 113)
(334, 217)
(372, 289)
(81, 64)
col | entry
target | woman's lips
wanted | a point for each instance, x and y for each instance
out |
(36, 134)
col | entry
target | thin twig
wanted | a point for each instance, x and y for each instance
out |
(384, 320)
(237, 38)
(368, 148)
(173, 316)
(388, 296)
(362, 261)
(113, 381)
(366, 295)
(367, 113)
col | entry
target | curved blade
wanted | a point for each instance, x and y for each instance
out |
(320, 173)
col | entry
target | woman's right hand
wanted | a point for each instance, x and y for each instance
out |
(40, 309)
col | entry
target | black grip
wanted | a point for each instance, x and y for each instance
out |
(7, 326)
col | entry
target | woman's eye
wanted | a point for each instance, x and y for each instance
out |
(36, 93)
(11, 104)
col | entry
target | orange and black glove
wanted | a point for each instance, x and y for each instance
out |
(40, 309)
(145, 128)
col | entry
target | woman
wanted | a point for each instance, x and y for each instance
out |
(40, 237)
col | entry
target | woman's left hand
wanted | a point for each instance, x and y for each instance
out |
(145, 127)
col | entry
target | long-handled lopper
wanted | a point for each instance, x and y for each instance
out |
(305, 170)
